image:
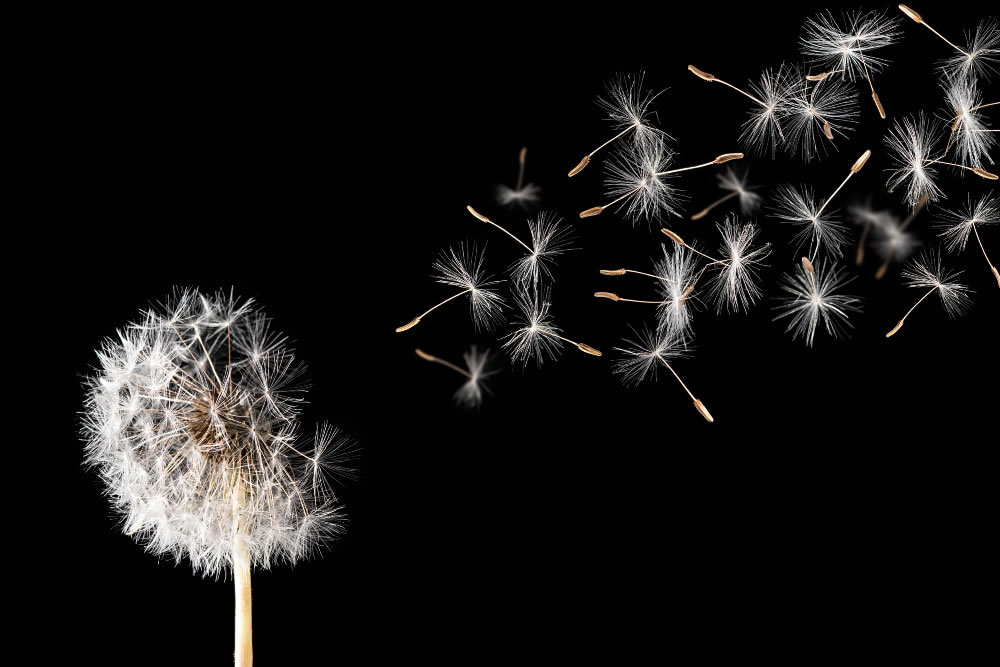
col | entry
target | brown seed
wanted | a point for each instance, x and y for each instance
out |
(859, 258)
(591, 212)
(700, 214)
(607, 295)
(409, 325)
(583, 347)
(827, 130)
(477, 214)
(895, 329)
(881, 271)
(700, 74)
(423, 355)
(578, 168)
(612, 272)
(524, 154)
(807, 265)
(817, 77)
(726, 157)
(673, 237)
(703, 410)
(996, 273)
(985, 174)
(861, 162)
(912, 14)
(878, 105)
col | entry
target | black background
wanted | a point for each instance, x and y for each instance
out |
(570, 515)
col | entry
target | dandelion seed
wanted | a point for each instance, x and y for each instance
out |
(797, 206)
(192, 422)
(678, 273)
(632, 180)
(735, 285)
(629, 109)
(463, 268)
(735, 183)
(910, 143)
(476, 372)
(970, 133)
(863, 214)
(643, 356)
(817, 112)
(954, 227)
(548, 241)
(927, 272)
(812, 298)
(537, 335)
(763, 132)
(522, 194)
(843, 49)
(893, 242)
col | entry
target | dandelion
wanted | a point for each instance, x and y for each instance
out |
(817, 112)
(841, 47)
(954, 227)
(735, 285)
(927, 272)
(523, 194)
(811, 298)
(866, 216)
(978, 59)
(910, 143)
(629, 109)
(537, 334)
(643, 357)
(192, 421)
(969, 133)
(548, 241)
(463, 268)
(470, 394)
(735, 183)
(893, 242)
(638, 181)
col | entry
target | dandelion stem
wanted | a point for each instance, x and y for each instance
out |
(447, 364)
(583, 347)
(900, 324)
(612, 139)
(975, 170)
(697, 404)
(993, 268)
(702, 213)
(919, 19)
(241, 581)
(479, 216)
(725, 157)
(859, 257)
(916, 210)
(878, 102)
(416, 320)
(830, 198)
(648, 275)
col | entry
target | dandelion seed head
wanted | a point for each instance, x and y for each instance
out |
(843, 44)
(549, 240)
(462, 267)
(536, 335)
(971, 140)
(810, 106)
(954, 227)
(813, 299)
(643, 355)
(927, 271)
(823, 232)
(763, 131)
(981, 57)
(477, 365)
(891, 240)
(526, 196)
(677, 272)
(736, 180)
(628, 105)
(735, 285)
(910, 142)
(632, 171)
(192, 420)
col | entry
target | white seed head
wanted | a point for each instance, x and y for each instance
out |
(463, 268)
(814, 107)
(763, 131)
(910, 142)
(822, 232)
(477, 365)
(926, 271)
(549, 239)
(971, 139)
(526, 196)
(193, 422)
(807, 304)
(841, 44)
(981, 57)
(735, 283)
(632, 171)
(534, 336)
(891, 240)
(735, 180)
(643, 355)
(677, 271)
(954, 227)
(628, 105)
